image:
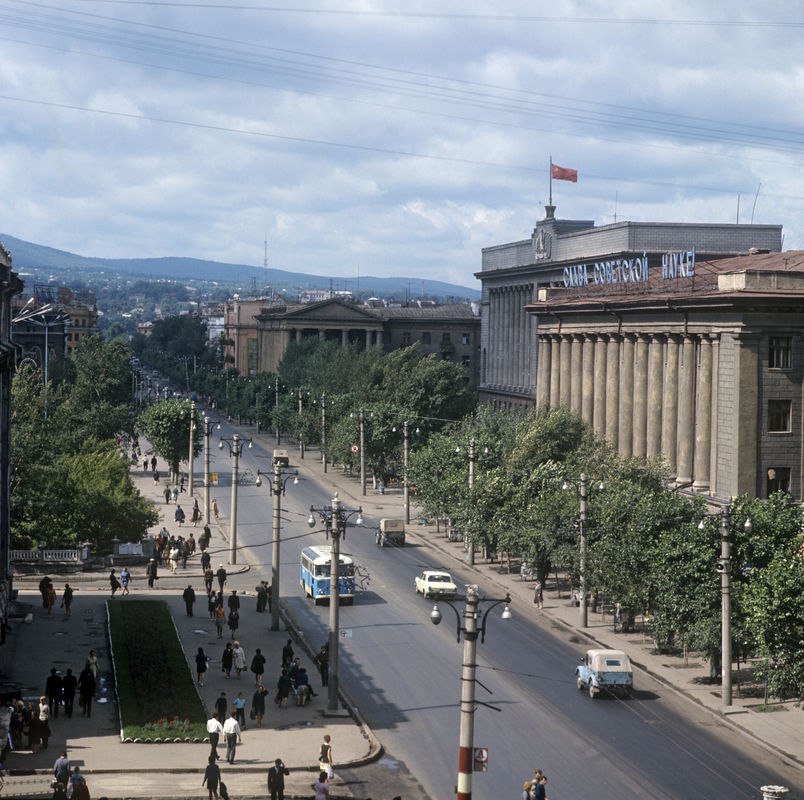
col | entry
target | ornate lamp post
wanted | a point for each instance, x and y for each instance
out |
(470, 552)
(470, 631)
(276, 409)
(334, 518)
(235, 445)
(280, 479)
(191, 451)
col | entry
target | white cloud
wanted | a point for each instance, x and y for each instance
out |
(222, 126)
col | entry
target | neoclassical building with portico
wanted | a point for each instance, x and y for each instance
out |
(698, 360)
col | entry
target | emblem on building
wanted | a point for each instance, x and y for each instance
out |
(542, 245)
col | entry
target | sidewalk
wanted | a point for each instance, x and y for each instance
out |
(781, 732)
(117, 770)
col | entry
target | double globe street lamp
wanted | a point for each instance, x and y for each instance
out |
(279, 480)
(335, 519)
(470, 630)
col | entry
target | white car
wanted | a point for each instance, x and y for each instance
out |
(435, 583)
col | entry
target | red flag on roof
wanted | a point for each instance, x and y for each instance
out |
(563, 173)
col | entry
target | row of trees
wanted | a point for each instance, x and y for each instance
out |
(70, 479)
(650, 549)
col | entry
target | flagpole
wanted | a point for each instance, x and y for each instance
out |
(550, 170)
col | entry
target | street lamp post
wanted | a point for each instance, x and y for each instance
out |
(470, 632)
(277, 487)
(191, 453)
(276, 411)
(235, 445)
(207, 426)
(334, 518)
(362, 452)
(405, 478)
(723, 566)
(324, 432)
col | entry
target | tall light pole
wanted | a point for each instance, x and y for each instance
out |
(405, 477)
(207, 426)
(470, 632)
(277, 487)
(324, 432)
(723, 566)
(276, 411)
(334, 518)
(191, 452)
(235, 445)
(470, 545)
(362, 452)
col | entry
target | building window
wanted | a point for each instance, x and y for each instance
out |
(426, 337)
(445, 338)
(466, 338)
(467, 361)
(779, 416)
(405, 337)
(778, 480)
(779, 352)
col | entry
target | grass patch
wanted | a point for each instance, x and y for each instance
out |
(768, 709)
(155, 687)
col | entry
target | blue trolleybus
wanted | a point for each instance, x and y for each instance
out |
(314, 574)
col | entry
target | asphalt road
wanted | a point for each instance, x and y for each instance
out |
(404, 675)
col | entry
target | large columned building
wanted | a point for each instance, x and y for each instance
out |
(512, 275)
(700, 361)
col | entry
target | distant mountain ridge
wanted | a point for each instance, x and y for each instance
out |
(28, 256)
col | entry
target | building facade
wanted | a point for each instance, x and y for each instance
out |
(698, 361)
(10, 285)
(450, 331)
(512, 275)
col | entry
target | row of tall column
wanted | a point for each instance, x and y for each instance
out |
(648, 394)
(508, 360)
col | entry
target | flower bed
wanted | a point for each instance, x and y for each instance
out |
(156, 691)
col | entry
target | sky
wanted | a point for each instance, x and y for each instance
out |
(390, 138)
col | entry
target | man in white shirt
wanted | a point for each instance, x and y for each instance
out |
(231, 729)
(214, 729)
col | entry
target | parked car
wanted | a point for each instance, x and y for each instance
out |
(435, 583)
(605, 670)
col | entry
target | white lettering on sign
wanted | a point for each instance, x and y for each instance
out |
(678, 265)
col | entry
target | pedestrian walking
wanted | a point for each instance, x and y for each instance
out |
(538, 594)
(167, 494)
(61, 769)
(212, 777)
(258, 705)
(86, 690)
(287, 654)
(114, 581)
(153, 462)
(44, 721)
(67, 599)
(53, 690)
(221, 576)
(215, 510)
(201, 661)
(94, 664)
(276, 779)
(239, 704)
(321, 787)
(145, 465)
(209, 577)
(227, 660)
(152, 572)
(188, 595)
(220, 619)
(69, 685)
(178, 515)
(239, 658)
(325, 761)
(125, 580)
(231, 730)
(214, 730)
(258, 666)
(156, 477)
(233, 622)
(80, 790)
(283, 686)
(222, 706)
(233, 601)
(205, 562)
(321, 661)
(262, 596)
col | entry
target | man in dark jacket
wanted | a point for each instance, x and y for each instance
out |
(53, 689)
(151, 571)
(189, 599)
(86, 690)
(69, 684)
(221, 575)
(276, 780)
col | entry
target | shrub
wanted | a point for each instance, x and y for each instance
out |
(155, 687)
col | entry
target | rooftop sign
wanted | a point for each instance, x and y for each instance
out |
(625, 271)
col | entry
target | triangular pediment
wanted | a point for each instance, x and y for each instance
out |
(331, 311)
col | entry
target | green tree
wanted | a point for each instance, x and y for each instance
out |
(166, 425)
